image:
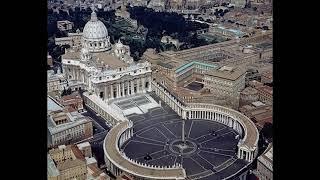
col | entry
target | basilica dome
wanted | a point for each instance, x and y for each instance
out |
(94, 29)
(95, 35)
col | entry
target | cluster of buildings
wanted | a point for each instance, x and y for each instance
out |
(65, 123)
(220, 69)
(64, 25)
(73, 162)
(192, 82)
(265, 164)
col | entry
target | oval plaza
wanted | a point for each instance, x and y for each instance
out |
(172, 138)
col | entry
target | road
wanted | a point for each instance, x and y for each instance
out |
(99, 120)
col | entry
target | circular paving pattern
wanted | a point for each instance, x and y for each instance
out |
(182, 148)
(209, 151)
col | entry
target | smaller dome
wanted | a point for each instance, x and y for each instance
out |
(119, 44)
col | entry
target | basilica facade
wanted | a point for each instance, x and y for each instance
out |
(104, 69)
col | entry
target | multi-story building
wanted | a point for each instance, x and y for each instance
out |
(103, 69)
(73, 39)
(258, 112)
(266, 77)
(265, 94)
(49, 60)
(248, 95)
(72, 102)
(64, 25)
(226, 81)
(66, 162)
(264, 164)
(85, 148)
(65, 127)
(56, 81)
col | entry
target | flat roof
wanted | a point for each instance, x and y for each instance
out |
(184, 66)
(84, 144)
(257, 103)
(230, 75)
(108, 59)
(91, 160)
(52, 169)
(53, 105)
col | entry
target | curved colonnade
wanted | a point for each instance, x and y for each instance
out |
(117, 161)
(247, 146)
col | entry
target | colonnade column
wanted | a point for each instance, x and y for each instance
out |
(143, 84)
(149, 84)
(105, 93)
(111, 86)
(119, 90)
(132, 90)
(128, 88)
(138, 85)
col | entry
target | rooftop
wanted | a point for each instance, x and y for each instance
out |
(267, 157)
(184, 66)
(52, 169)
(249, 90)
(228, 73)
(83, 145)
(53, 105)
(266, 89)
(67, 164)
(109, 60)
(72, 96)
(91, 160)
(258, 103)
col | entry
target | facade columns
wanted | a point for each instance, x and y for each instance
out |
(112, 91)
(128, 88)
(122, 87)
(143, 85)
(149, 83)
(132, 90)
(119, 89)
(138, 85)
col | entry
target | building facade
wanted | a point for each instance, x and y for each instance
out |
(265, 94)
(65, 127)
(264, 164)
(227, 82)
(56, 81)
(65, 162)
(64, 25)
(72, 102)
(103, 69)
(73, 39)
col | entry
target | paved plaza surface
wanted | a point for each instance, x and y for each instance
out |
(209, 150)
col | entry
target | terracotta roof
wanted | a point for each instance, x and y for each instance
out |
(77, 153)
(266, 89)
(95, 169)
(67, 164)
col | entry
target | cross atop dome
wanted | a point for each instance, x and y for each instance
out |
(93, 14)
